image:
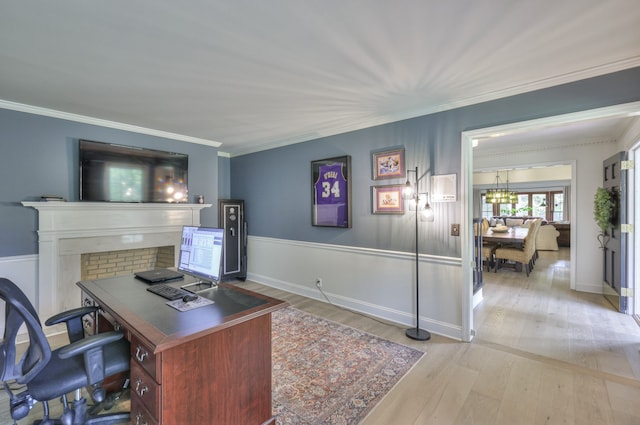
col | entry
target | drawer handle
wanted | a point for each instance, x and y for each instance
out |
(141, 353)
(138, 417)
(142, 390)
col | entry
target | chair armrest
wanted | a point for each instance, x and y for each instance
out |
(73, 320)
(89, 343)
(65, 316)
(92, 350)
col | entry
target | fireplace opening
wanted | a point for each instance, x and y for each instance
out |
(97, 265)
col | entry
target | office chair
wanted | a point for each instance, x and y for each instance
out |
(47, 375)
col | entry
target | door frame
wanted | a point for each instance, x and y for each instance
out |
(633, 215)
(466, 189)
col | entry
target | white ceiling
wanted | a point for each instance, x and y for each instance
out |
(602, 130)
(258, 74)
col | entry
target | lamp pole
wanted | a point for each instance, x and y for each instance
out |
(417, 333)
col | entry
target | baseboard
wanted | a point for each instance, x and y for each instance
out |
(394, 316)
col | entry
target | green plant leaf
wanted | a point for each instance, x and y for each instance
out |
(605, 208)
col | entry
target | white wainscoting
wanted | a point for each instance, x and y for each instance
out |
(23, 271)
(376, 282)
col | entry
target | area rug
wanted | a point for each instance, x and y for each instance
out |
(323, 372)
(328, 373)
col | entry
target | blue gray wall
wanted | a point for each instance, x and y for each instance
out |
(276, 184)
(224, 174)
(39, 155)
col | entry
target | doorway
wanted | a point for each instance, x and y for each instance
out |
(577, 218)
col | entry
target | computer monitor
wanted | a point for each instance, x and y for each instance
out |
(201, 256)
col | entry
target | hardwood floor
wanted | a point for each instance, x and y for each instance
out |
(543, 354)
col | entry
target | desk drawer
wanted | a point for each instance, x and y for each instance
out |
(142, 355)
(145, 389)
(139, 415)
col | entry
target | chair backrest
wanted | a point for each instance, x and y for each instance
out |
(530, 240)
(19, 311)
(483, 228)
(485, 225)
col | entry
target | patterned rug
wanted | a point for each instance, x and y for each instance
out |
(328, 373)
(323, 372)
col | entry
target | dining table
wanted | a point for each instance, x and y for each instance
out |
(513, 235)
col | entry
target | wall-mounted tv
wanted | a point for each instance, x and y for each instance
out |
(116, 173)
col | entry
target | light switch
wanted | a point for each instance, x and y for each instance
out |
(455, 230)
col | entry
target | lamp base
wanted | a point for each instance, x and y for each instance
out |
(418, 334)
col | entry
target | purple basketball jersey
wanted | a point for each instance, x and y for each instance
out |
(331, 196)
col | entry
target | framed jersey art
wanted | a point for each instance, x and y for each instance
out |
(331, 192)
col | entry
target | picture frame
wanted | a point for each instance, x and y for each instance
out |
(331, 192)
(387, 199)
(444, 188)
(388, 164)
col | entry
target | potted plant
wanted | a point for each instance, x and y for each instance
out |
(521, 211)
(604, 212)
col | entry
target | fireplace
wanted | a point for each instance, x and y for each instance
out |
(99, 265)
(67, 230)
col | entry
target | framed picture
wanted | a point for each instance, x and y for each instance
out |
(444, 188)
(387, 199)
(331, 192)
(388, 164)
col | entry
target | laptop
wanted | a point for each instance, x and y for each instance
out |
(158, 275)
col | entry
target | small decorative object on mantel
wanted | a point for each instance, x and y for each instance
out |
(331, 192)
(52, 198)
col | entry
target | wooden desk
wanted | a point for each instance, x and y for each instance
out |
(210, 365)
(515, 235)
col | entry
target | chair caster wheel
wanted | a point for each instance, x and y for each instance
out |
(98, 394)
(67, 418)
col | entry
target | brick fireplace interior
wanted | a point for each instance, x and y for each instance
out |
(97, 265)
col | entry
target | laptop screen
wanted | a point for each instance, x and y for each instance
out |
(201, 252)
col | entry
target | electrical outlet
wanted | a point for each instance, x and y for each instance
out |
(455, 230)
(319, 282)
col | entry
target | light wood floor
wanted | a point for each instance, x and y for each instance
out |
(543, 354)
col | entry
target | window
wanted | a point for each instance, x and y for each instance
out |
(487, 209)
(539, 201)
(557, 209)
(505, 209)
(522, 206)
(535, 204)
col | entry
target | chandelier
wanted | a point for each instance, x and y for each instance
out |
(499, 195)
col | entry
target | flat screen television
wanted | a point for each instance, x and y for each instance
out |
(201, 255)
(116, 173)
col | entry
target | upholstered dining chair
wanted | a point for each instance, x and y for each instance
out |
(41, 374)
(523, 255)
(488, 248)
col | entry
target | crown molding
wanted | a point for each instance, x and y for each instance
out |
(36, 110)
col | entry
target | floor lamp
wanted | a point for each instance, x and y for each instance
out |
(413, 193)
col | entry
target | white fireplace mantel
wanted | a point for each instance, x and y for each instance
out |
(68, 229)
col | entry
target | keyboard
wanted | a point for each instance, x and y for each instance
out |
(168, 292)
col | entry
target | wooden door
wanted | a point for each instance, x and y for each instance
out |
(614, 279)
